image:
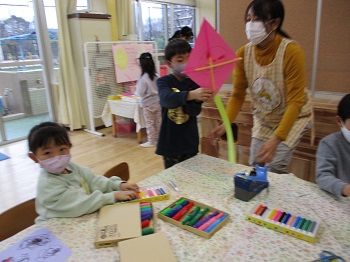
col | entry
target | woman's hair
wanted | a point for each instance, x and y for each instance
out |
(344, 108)
(268, 10)
(177, 46)
(175, 35)
(46, 132)
(186, 32)
(147, 65)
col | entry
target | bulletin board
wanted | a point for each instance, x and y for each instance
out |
(125, 57)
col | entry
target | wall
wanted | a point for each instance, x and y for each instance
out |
(205, 9)
(333, 66)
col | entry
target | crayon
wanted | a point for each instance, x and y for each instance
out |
(312, 227)
(277, 215)
(210, 222)
(182, 212)
(147, 231)
(301, 222)
(191, 215)
(258, 209)
(176, 209)
(273, 212)
(262, 211)
(286, 218)
(197, 217)
(143, 218)
(306, 225)
(205, 219)
(145, 223)
(217, 222)
(296, 222)
(281, 217)
(291, 221)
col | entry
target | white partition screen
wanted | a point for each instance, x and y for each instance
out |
(112, 68)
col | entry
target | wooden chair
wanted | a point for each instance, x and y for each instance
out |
(121, 170)
(17, 218)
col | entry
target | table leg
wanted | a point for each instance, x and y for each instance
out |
(114, 126)
(139, 136)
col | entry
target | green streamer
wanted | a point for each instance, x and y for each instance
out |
(227, 124)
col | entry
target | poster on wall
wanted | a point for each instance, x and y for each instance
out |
(125, 60)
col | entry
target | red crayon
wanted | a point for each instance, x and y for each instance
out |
(145, 223)
(182, 211)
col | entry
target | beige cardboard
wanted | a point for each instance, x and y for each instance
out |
(118, 222)
(151, 248)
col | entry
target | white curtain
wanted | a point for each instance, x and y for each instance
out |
(70, 110)
(126, 18)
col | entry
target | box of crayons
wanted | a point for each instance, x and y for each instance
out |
(194, 216)
(285, 222)
(121, 222)
(151, 194)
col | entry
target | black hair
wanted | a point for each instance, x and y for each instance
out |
(175, 35)
(344, 108)
(186, 32)
(268, 10)
(147, 65)
(177, 46)
(42, 135)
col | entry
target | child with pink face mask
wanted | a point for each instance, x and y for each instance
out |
(64, 188)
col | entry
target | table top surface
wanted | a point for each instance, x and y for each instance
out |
(210, 181)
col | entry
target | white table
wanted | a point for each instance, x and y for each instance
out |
(126, 109)
(210, 181)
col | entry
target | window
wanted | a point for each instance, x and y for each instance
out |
(159, 21)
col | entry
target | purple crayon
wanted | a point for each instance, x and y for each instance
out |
(207, 218)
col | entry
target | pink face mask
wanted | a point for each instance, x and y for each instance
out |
(55, 165)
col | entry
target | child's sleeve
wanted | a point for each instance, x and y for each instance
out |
(326, 169)
(56, 199)
(167, 97)
(140, 88)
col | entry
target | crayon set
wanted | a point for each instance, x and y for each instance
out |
(285, 222)
(194, 216)
(146, 218)
(151, 194)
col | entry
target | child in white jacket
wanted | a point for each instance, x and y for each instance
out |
(64, 188)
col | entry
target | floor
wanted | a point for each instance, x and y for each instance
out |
(19, 174)
(20, 127)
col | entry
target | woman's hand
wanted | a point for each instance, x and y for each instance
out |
(217, 133)
(124, 195)
(127, 186)
(268, 150)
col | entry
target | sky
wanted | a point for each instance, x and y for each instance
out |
(24, 9)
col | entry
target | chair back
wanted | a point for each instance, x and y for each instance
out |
(17, 218)
(121, 170)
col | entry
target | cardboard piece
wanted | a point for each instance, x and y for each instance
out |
(149, 248)
(190, 228)
(119, 222)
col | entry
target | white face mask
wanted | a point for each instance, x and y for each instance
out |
(345, 131)
(178, 68)
(256, 32)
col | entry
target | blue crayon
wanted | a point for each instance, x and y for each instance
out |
(159, 192)
(148, 213)
(296, 221)
(212, 226)
(286, 218)
(162, 190)
(205, 219)
(148, 217)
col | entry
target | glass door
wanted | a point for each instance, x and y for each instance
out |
(23, 101)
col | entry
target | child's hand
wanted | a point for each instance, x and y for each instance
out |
(124, 195)
(200, 94)
(127, 186)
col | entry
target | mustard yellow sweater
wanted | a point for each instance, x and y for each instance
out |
(294, 76)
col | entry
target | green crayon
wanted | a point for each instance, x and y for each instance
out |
(190, 216)
(197, 217)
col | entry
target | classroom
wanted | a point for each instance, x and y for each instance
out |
(185, 130)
